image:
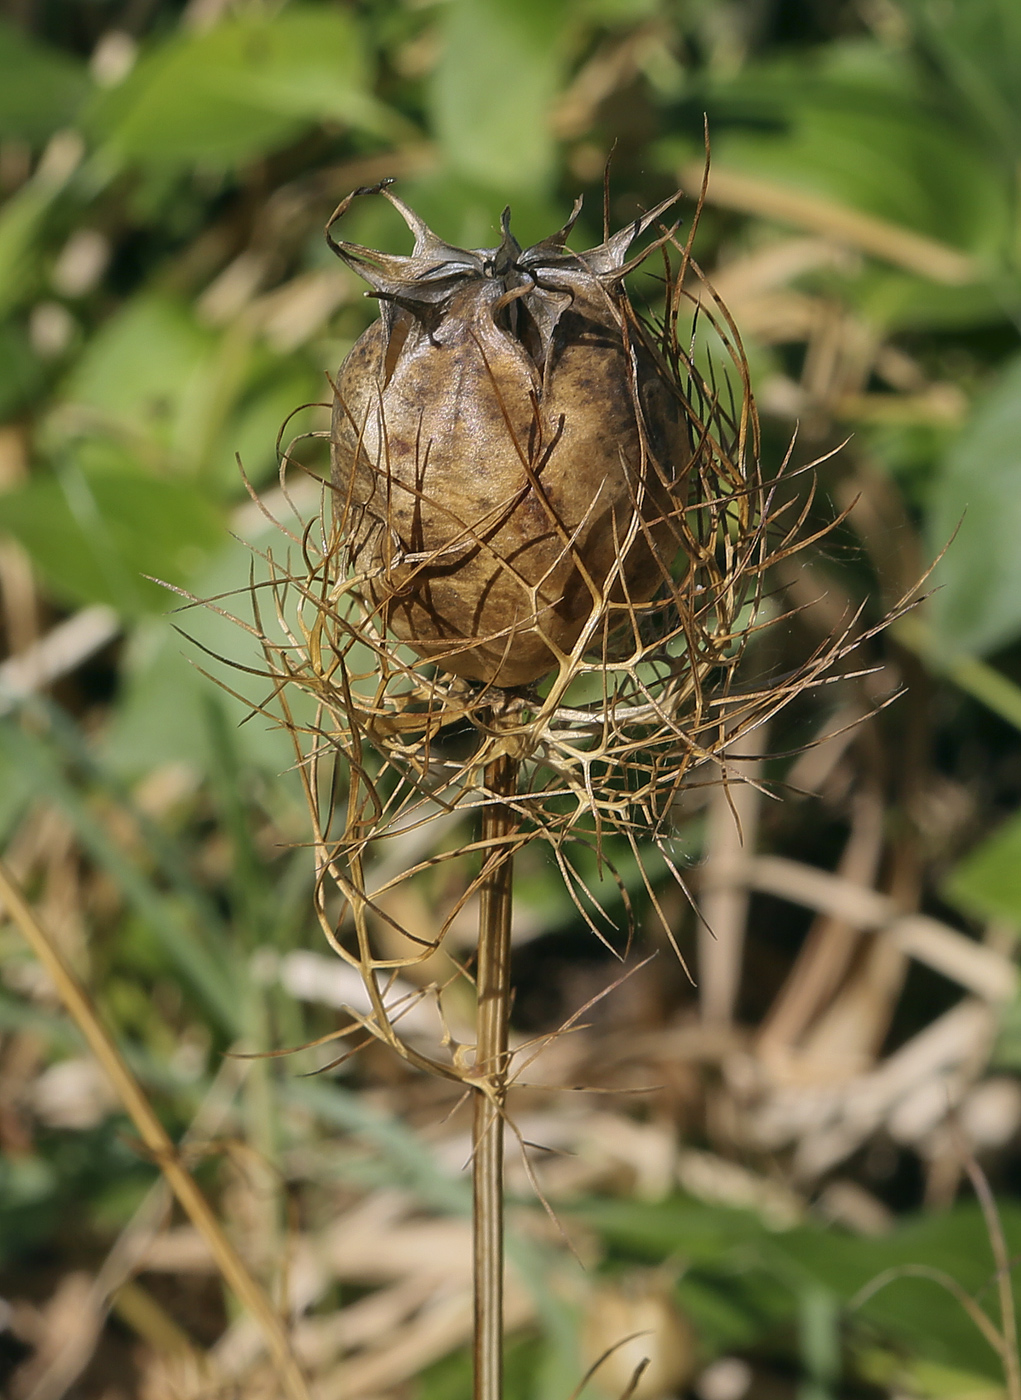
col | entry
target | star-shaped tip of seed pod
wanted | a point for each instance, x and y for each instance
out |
(435, 268)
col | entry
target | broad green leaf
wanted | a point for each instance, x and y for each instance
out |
(917, 1312)
(139, 372)
(41, 89)
(178, 396)
(987, 882)
(246, 87)
(976, 607)
(494, 87)
(761, 1274)
(96, 534)
(163, 713)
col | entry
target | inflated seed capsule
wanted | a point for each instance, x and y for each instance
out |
(508, 449)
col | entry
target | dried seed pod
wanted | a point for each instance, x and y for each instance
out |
(509, 449)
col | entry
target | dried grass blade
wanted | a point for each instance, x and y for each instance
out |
(155, 1137)
(892, 243)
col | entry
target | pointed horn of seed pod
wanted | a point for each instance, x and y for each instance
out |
(427, 244)
(556, 242)
(608, 260)
(428, 275)
(506, 255)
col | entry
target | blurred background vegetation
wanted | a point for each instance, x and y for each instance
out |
(810, 1112)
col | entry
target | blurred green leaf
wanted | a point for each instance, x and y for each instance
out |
(855, 127)
(914, 1311)
(1007, 1050)
(277, 387)
(170, 394)
(17, 1014)
(493, 90)
(987, 883)
(755, 1277)
(21, 218)
(818, 1342)
(163, 713)
(142, 372)
(202, 963)
(977, 43)
(977, 493)
(244, 88)
(25, 1180)
(16, 787)
(95, 534)
(41, 89)
(20, 371)
(896, 1373)
(899, 301)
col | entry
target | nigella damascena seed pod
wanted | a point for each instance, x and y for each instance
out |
(508, 450)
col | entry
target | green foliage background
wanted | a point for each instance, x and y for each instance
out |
(166, 300)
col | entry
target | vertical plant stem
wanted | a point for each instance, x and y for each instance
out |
(493, 982)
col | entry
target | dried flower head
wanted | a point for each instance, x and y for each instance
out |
(544, 544)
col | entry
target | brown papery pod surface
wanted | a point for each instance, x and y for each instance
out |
(509, 449)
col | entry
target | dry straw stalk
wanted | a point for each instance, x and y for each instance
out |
(155, 1137)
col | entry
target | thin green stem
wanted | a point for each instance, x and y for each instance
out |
(1004, 1277)
(493, 984)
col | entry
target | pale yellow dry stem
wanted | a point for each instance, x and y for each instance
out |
(493, 983)
(773, 199)
(155, 1137)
